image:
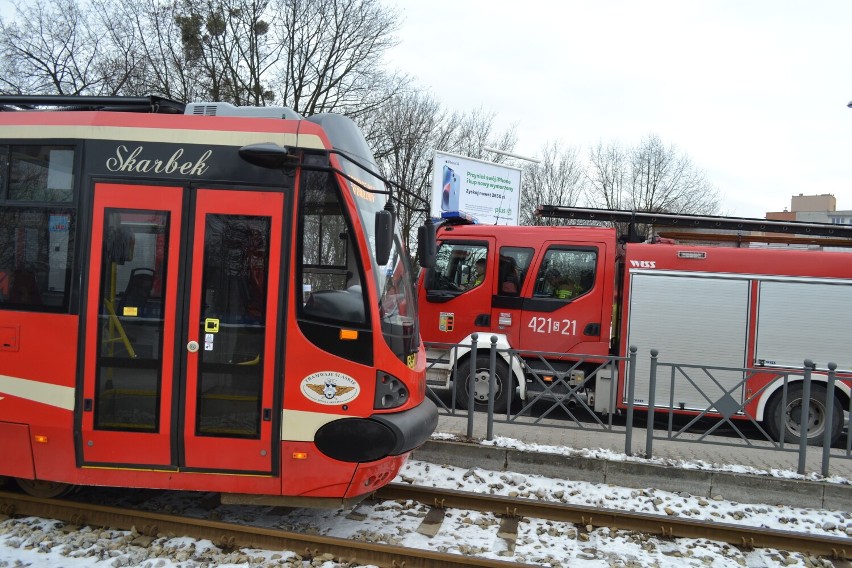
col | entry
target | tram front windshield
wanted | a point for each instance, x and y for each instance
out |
(394, 279)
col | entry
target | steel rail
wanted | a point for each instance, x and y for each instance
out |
(648, 523)
(229, 535)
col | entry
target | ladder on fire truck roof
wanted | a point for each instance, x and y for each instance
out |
(803, 231)
(151, 103)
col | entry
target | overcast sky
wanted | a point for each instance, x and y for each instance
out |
(754, 92)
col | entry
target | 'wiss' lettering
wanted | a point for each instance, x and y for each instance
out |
(133, 162)
(643, 263)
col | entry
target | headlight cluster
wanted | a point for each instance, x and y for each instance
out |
(390, 392)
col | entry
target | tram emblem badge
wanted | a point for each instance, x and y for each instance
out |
(330, 387)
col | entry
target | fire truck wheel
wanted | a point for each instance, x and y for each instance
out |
(790, 419)
(44, 489)
(480, 384)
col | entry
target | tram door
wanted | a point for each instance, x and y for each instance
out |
(180, 333)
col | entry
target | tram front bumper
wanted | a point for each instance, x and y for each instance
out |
(381, 435)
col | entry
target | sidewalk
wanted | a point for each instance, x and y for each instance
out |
(742, 474)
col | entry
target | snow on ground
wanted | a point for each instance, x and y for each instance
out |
(39, 542)
(609, 455)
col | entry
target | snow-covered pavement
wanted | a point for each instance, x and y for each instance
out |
(39, 542)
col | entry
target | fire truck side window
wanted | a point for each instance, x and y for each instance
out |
(458, 267)
(514, 263)
(565, 274)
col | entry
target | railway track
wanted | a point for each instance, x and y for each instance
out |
(231, 535)
(512, 512)
(748, 537)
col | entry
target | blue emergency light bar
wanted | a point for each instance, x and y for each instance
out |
(458, 217)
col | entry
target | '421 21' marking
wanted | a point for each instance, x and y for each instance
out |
(550, 325)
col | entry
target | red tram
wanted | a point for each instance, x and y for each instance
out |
(201, 297)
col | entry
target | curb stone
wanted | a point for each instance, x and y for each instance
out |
(738, 487)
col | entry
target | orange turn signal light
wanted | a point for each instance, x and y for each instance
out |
(348, 334)
(40, 439)
(300, 455)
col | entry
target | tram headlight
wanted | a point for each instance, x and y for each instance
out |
(390, 392)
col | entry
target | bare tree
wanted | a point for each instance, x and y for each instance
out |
(228, 47)
(405, 135)
(664, 180)
(557, 180)
(402, 138)
(649, 177)
(154, 35)
(59, 47)
(332, 55)
(606, 175)
(311, 55)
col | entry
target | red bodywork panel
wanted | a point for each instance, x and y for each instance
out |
(725, 278)
(732, 276)
(42, 397)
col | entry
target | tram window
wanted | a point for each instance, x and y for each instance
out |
(331, 274)
(130, 334)
(36, 248)
(234, 300)
(41, 173)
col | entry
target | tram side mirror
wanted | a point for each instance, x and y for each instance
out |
(426, 244)
(267, 155)
(384, 236)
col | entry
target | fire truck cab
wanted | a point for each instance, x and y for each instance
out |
(536, 288)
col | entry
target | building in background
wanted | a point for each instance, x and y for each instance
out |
(803, 208)
(813, 209)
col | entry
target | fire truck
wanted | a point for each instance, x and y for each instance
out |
(584, 296)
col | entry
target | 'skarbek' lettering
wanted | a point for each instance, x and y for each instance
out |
(130, 161)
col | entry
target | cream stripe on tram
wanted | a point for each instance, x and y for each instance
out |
(44, 393)
(301, 426)
(166, 135)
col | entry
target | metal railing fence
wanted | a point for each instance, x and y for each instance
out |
(556, 398)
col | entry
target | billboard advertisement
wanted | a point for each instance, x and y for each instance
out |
(488, 192)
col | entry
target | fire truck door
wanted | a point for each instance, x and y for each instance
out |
(563, 307)
(458, 291)
(513, 277)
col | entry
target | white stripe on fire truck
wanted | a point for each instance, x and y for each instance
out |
(44, 393)
(166, 135)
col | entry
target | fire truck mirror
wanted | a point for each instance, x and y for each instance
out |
(426, 244)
